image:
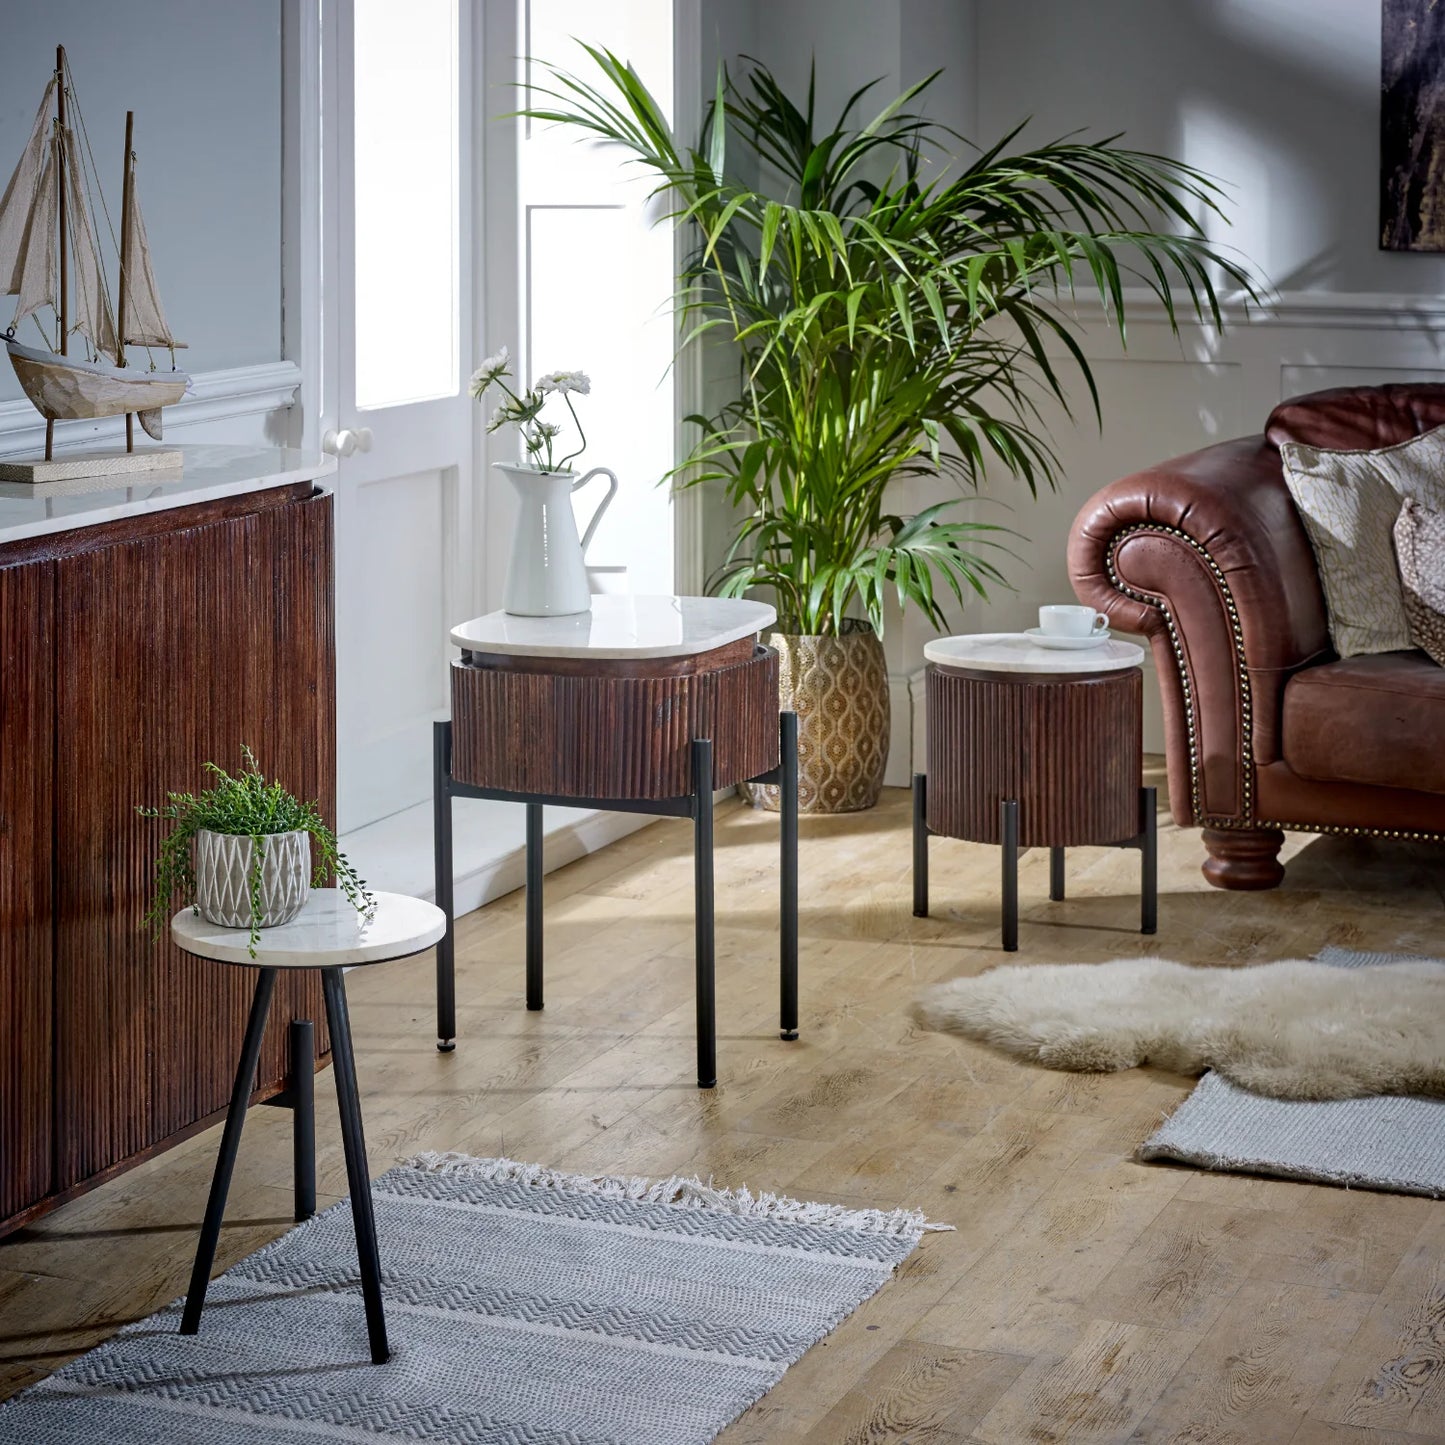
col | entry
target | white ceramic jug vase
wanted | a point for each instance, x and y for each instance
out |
(547, 576)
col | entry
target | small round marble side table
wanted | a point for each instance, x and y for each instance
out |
(328, 934)
(644, 704)
(1032, 747)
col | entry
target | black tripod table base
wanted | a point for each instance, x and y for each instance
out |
(327, 931)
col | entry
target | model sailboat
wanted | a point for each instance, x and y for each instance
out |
(48, 243)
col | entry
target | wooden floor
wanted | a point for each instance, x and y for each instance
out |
(1084, 1297)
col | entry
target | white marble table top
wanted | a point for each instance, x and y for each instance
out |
(620, 626)
(1013, 652)
(206, 473)
(327, 933)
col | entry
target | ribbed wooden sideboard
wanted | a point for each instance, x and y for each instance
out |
(141, 634)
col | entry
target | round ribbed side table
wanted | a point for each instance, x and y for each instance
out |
(1030, 747)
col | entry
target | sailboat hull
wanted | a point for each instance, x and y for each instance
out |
(63, 389)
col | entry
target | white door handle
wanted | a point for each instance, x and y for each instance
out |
(342, 443)
(363, 438)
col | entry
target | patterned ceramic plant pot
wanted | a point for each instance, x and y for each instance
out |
(223, 873)
(838, 686)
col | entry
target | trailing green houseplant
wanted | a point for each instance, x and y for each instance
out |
(245, 853)
(888, 324)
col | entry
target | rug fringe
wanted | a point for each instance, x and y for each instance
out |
(684, 1193)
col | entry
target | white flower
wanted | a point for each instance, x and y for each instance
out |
(549, 429)
(565, 381)
(500, 418)
(492, 369)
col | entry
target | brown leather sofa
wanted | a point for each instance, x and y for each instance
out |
(1265, 728)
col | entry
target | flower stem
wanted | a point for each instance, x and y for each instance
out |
(580, 433)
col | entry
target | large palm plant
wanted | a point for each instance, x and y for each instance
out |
(889, 324)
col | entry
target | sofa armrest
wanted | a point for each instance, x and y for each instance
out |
(1206, 556)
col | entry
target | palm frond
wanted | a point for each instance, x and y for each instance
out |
(887, 325)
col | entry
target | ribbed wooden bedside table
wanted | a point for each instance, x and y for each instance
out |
(642, 705)
(1034, 748)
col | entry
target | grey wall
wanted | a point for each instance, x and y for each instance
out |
(204, 79)
(1278, 97)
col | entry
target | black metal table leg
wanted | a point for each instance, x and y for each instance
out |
(442, 839)
(1149, 862)
(788, 872)
(920, 845)
(1009, 838)
(703, 906)
(303, 1116)
(534, 905)
(1056, 874)
(358, 1174)
(226, 1159)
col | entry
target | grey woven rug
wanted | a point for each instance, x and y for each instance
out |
(1386, 1142)
(523, 1307)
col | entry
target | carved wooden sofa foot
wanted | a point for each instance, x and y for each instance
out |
(1243, 858)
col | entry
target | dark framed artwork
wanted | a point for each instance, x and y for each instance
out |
(1412, 125)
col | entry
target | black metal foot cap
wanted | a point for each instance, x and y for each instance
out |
(707, 1083)
(788, 1034)
(445, 1046)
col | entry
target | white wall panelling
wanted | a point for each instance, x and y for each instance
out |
(240, 404)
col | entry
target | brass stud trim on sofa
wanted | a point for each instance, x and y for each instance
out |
(1345, 830)
(1185, 683)
(1246, 716)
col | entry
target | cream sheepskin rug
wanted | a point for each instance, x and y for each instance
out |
(1291, 1030)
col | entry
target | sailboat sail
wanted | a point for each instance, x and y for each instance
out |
(144, 323)
(18, 204)
(93, 315)
(35, 279)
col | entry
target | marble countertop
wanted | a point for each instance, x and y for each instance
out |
(327, 933)
(1014, 652)
(620, 627)
(206, 473)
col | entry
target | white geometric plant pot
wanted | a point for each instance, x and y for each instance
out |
(223, 877)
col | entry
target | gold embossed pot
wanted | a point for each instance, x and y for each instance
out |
(838, 686)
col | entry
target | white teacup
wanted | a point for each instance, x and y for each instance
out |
(1069, 621)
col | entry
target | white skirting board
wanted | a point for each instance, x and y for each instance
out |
(488, 847)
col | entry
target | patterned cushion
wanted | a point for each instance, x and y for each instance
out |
(1420, 546)
(1348, 502)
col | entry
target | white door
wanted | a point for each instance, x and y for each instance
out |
(396, 360)
(579, 278)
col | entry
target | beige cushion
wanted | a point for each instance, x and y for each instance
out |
(1420, 547)
(1348, 502)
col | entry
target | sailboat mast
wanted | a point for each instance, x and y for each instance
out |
(64, 310)
(60, 176)
(122, 290)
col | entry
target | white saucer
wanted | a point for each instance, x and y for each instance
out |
(1040, 638)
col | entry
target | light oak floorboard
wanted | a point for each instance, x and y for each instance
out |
(1083, 1297)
